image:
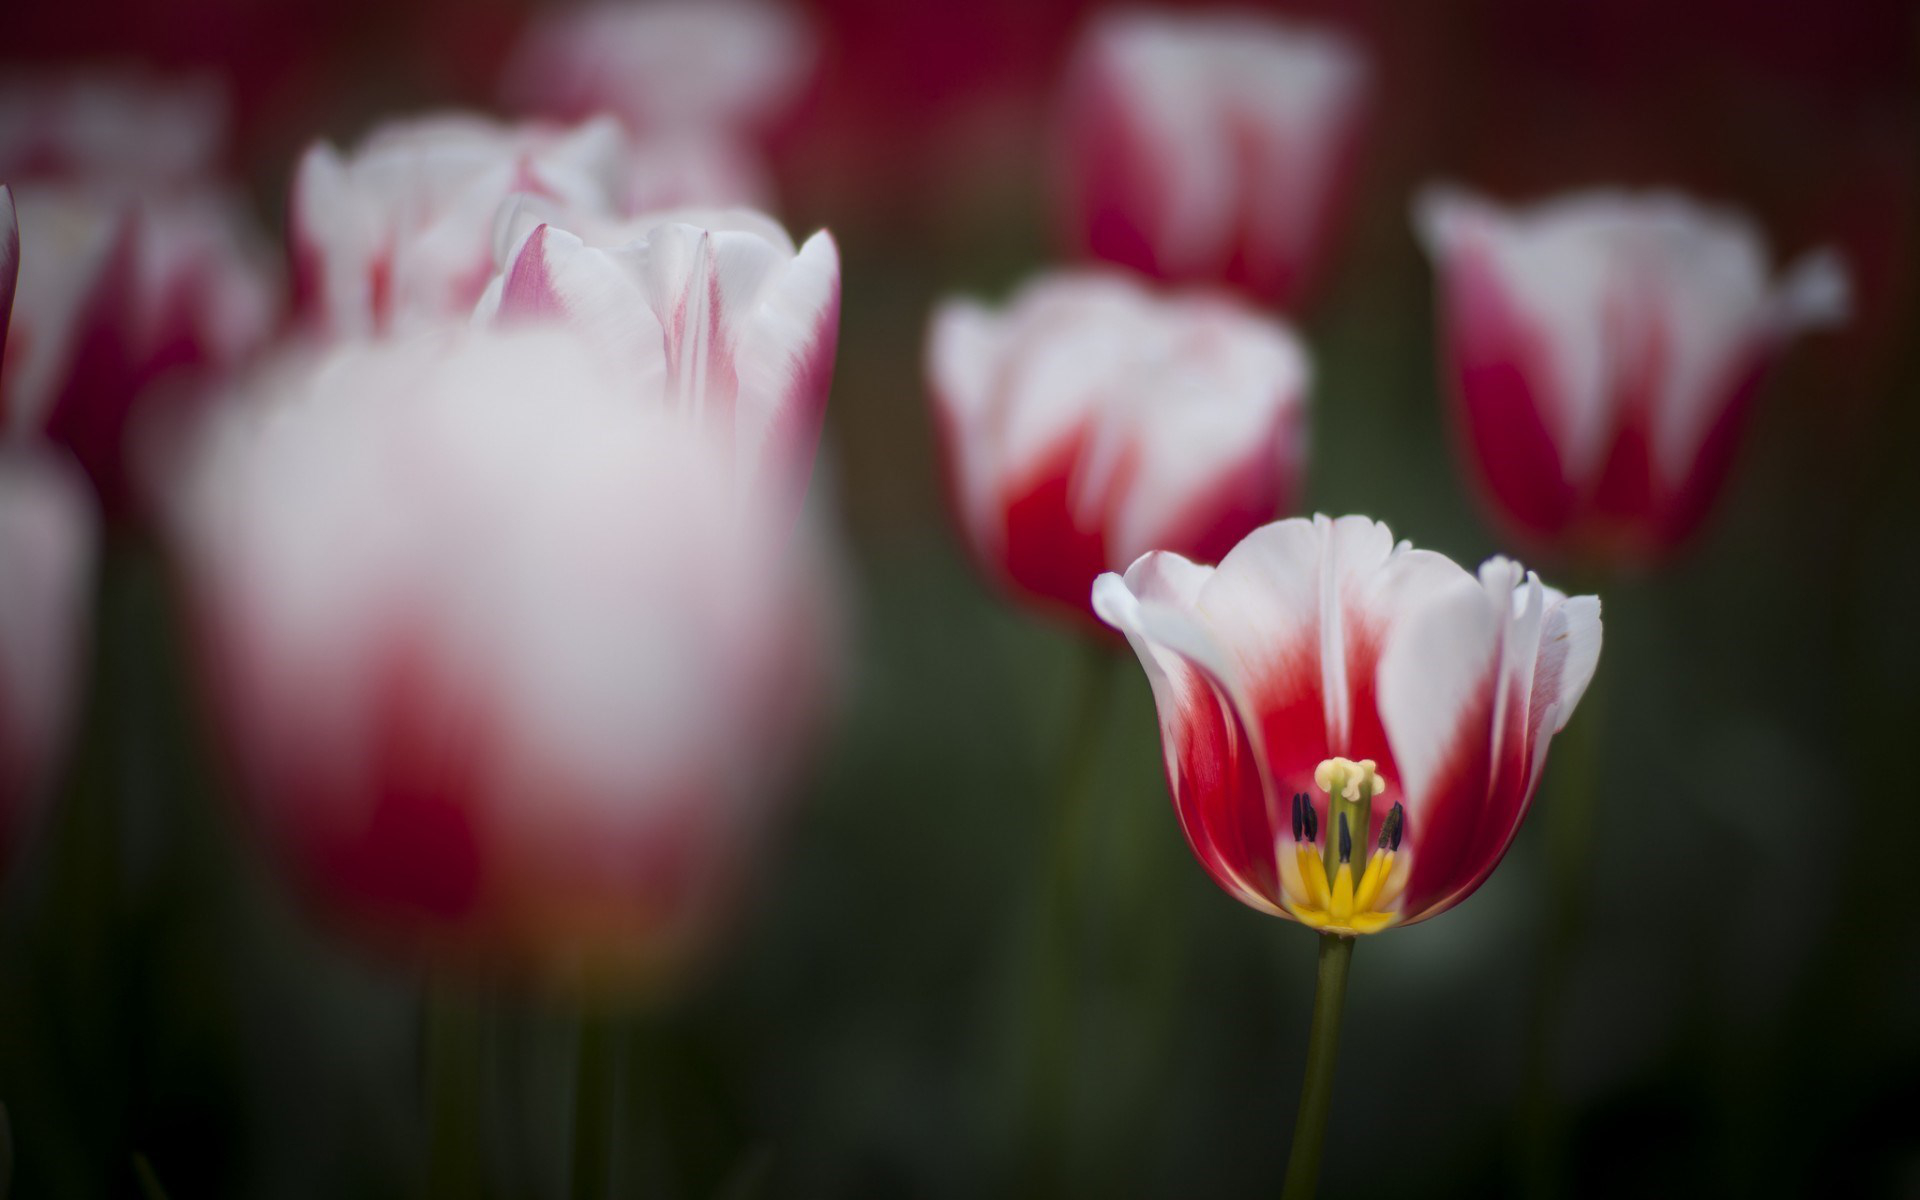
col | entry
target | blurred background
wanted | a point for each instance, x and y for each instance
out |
(1740, 1015)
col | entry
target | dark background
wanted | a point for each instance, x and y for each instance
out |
(1741, 1016)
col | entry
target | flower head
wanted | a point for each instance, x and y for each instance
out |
(1605, 348)
(1090, 420)
(1398, 705)
(1210, 148)
(507, 670)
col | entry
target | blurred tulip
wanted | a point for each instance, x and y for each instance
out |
(48, 531)
(1401, 707)
(726, 66)
(711, 314)
(122, 290)
(400, 233)
(508, 670)
(1210, 148)
(100, 126)
(1092, 421)
(1605, 350)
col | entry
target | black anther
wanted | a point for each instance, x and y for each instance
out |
(1312, 819)
(1346, 840)
(1297, 798)
(1392, 827)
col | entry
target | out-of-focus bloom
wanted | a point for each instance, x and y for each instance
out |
(713, 314)
(506, 668)
(48, 529)
(134, 129)
(1210, 148)
(726, 66)
(400, 234)
(121, 290)
(1353, 730)
(1091, 421)
(1605, 349)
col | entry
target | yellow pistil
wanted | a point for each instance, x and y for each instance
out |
(1319, 888)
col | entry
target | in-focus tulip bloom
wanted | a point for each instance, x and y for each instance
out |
(401, 233)
(1353, 729)
(1605, 349)
(713, 314)
(730, 67)
(1091, 420)
(48, 531)
(99, 126)
(121, 292)
(505, 666)
(1210, 148)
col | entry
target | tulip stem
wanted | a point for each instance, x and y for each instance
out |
(454, 1034)
(593, 1106)
(1569, 819)
(1323, 1046)
(1051, 1050)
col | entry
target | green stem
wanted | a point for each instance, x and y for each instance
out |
(593, 1106)
(1050, 1050)
(453, 1081)
(1323, 1046)
(1569, 821)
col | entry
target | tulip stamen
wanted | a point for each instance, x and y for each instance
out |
(1319, 885)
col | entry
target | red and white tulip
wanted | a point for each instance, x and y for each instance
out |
(508, 671)
(1605, 349)
(1091, 420)
(713, 315)
(121, 293)
(400, 234)
(48, 536)
(1210, 148)
(139, 130)
(1353, 729)
(728, 67)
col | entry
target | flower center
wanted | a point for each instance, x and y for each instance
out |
(1317, 883)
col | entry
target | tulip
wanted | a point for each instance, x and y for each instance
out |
(726, 66)
(1605, 349)
(400, 234)
(48, 531)
(504, 666)
(710, 314)
(1209, 148)
(1091, 421)
(119, 293)
(1353, 729)
(127, 127)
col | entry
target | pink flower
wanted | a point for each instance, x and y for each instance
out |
(1605, 348)
(126, 127)
(400, 234)
(713, 315)
(48, 531)
(1091, 421)
(121, 291)
(731, 67)
(508, 671)
(1210, 148)
(1353, 730)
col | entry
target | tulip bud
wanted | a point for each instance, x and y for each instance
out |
(119, 292)
(1209, 148)
(713, 314)
(100, 127)
(509, 673)
(1090, 421)
(48, 531)
(1604, 350)
(400, 233)
(717, 66)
